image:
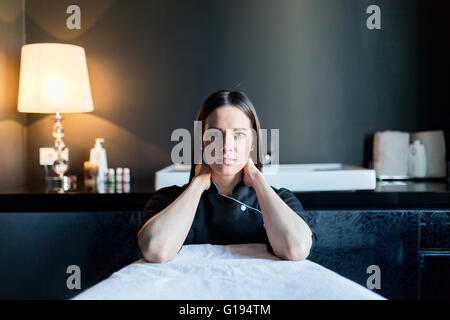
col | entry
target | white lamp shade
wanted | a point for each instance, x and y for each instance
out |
(54, 77)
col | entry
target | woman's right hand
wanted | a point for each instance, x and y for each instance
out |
(203, 174)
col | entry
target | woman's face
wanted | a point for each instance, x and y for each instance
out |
(235, 130)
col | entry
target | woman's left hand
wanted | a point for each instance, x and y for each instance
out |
(250, 172)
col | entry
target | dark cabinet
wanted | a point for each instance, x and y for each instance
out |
(410, 247)
(38, 247)
(434, 255)
(434, 230)
(434, 280)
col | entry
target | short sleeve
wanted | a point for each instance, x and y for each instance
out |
(294, 203)
(158, 202)
(291, 200)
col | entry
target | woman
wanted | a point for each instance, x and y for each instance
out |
(228, 200)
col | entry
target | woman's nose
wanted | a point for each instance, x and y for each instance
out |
(228, 142)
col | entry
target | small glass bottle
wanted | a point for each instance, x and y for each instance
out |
(126, 175)
(111, 176)
(119, 173)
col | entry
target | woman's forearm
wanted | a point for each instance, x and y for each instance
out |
(289, 235)
(162, 236)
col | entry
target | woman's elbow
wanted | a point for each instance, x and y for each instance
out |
(297, 254)
(154, 254)
(157, 256)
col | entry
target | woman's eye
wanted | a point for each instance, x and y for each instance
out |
(212, 134)
(240, 135)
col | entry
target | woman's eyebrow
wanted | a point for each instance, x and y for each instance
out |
(234, 129)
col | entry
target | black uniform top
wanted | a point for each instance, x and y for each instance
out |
(222, 219)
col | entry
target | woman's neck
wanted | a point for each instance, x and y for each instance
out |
(226, 183)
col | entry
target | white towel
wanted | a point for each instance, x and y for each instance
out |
(390, 153)
(227, 272)
(434, 142)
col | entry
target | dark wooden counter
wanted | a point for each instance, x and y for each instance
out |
(387, 195)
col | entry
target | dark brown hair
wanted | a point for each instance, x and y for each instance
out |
(229, 98)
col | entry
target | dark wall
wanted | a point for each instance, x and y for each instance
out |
(312, 69)
(12, 123)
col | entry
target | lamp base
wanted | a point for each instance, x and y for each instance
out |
(61, 165)
(61, 184)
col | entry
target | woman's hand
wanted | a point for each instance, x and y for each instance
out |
(203, 174)
(250, 172)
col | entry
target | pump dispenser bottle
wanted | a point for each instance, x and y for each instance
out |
(98, 155)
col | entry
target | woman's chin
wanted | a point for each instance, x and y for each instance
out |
(226, 170)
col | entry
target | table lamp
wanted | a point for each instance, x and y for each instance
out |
(54, 79)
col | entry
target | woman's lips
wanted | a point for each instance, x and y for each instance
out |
(228, 160)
